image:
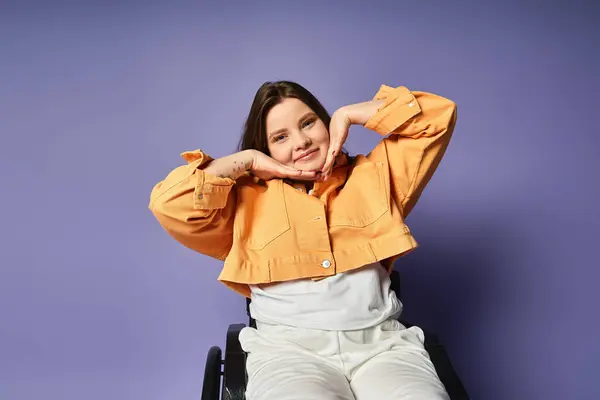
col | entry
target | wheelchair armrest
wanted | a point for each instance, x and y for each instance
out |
(396, 284)
(234, 372)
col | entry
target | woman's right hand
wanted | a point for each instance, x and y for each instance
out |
(266, 168)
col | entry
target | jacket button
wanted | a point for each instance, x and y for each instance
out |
(200, 196)
(326, 264)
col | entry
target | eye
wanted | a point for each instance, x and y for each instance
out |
(308, 122)
(278, 138)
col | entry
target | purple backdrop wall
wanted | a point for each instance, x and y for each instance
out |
(98, 100)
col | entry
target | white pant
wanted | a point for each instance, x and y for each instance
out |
(387, 361)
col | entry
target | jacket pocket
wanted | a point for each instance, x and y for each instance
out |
(261, 216)
(363, 199)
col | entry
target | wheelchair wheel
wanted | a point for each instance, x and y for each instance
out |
(211, 388)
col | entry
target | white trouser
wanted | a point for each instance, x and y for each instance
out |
(387, 361)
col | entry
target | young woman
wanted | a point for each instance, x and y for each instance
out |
(310, 234)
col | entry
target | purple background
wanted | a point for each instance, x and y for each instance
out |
(97, 100)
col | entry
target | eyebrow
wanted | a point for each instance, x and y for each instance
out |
(283, 130)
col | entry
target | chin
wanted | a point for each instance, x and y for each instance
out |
(311, 166)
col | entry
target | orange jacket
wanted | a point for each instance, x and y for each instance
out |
(272, 231)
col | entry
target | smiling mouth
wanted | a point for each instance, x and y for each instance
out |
(307, 156)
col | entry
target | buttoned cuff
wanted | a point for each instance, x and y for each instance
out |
(400, 106)
(211, 191)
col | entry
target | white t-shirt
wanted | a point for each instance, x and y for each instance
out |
(350, 300)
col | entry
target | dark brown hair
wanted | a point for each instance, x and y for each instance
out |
(268, 96)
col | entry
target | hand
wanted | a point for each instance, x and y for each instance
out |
(266, 168)
(338, 132)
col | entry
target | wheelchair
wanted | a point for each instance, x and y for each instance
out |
(225, 375)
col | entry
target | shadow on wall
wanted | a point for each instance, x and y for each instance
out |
(453, 284)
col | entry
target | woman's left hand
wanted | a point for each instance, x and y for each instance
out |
(338, 132)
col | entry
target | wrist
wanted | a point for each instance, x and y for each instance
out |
(248, 157)
(360, 113)
(345, 114)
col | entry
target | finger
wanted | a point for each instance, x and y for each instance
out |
(307, 176)
(328, 160)
(290, 172)
(328, 167)
(336, 152)
(304, 175)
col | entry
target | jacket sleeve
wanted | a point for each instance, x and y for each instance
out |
(197, 209)
(419, 125)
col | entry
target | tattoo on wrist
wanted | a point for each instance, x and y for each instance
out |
(239, 167)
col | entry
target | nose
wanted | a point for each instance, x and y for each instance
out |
(302, 141)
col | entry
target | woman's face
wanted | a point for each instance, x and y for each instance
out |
(296, 136)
